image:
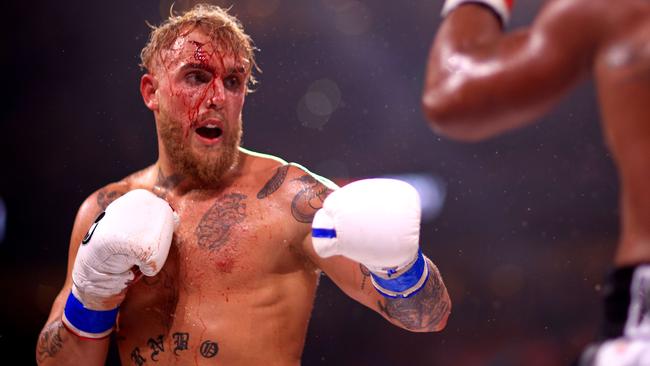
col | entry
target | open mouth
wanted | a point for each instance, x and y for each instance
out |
(209, 132)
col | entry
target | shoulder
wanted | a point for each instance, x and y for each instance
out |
(597, 16)
(291, 185)
(97, 201)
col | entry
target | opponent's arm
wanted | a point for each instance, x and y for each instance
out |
(135, 230)
(365, 238)
(481, 81)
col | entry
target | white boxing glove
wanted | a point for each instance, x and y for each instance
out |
(135, 230)
(375, 222)
(502, 8)
(618, 352)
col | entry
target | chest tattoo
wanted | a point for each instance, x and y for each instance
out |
(214, 229)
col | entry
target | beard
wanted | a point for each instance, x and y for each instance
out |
(207, 168)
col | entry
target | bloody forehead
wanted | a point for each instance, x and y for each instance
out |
(199, 49)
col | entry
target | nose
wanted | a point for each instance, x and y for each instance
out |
(216, 96)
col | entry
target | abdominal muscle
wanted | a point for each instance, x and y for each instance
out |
(263, 322)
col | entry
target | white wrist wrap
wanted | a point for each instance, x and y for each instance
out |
(502, 8)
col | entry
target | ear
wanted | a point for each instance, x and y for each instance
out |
(148, 87)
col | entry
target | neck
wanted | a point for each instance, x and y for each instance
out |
(170, 181)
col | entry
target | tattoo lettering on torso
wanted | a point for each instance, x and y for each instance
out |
(156, 346)
(309, 199)
(50, 341)
(274, 183)
(214, 229)
(104, 198)
(423, 310)
(209, 349)
(180, 341)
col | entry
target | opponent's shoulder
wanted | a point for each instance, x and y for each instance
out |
(599, 16)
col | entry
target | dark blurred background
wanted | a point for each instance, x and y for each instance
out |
(524, 237)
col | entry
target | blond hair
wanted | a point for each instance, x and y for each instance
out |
(224, 29)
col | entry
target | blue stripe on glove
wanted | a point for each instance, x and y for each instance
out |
(323, 233)
(403, 285)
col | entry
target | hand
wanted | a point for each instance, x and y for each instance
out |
(375, 222)
(135, 231)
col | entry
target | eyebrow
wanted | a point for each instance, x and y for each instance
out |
(196, 65)
(231, 70)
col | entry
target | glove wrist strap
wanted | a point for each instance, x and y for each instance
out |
(88, 323)
(501, 8)
(407, 283)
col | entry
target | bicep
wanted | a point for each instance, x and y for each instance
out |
(494, 80)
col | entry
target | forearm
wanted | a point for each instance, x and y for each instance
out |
(425, 311)
(57, 346)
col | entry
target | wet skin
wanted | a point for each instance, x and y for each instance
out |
(481, 82)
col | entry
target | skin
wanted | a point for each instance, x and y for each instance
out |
(481, 82)
(239, 283)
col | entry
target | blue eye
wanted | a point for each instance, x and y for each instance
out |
(198, 77)
(232, 82)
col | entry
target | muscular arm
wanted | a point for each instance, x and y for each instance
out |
(481, 81)
(56, 345)
(426, 311)
(423, 312)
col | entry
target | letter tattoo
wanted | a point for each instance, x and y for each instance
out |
(209, 349)
(156, 346)
(180, 340)
(137, 357)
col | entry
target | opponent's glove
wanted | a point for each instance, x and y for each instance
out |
(375, 222)
(135, 230)
(502, 8)
(633, 347)
(618, 352)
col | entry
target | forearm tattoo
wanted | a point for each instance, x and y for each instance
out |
(422, 311)
(274, 183)
(50, 341)
(214, 229)
(365, 272)
(309, 199)
(179, 344)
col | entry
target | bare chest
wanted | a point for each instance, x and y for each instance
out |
(233, 238)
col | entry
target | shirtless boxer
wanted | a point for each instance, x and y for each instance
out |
(482, 81)
(221, 262)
